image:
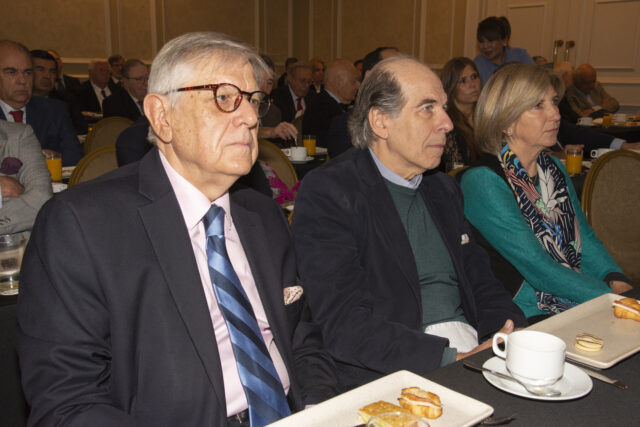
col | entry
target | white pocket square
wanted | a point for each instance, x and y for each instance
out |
(292, 294)
(464, 239)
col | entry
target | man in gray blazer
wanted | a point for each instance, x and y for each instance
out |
(24, 178)
(151, 295)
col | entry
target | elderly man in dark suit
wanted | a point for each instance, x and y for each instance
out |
(182, 305)
(291, 98)
(48, 117)
(92, 93)
(127, 102)
(391, 269)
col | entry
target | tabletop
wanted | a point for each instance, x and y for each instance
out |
(604, 405)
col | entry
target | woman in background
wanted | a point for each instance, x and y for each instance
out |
(461, 83)
(522, 202)
(493, 42)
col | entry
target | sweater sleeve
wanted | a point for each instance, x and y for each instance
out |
(491, 207)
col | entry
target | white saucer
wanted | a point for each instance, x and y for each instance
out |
(575, 382)
(301, 162)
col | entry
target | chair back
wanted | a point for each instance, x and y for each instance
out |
(94, 164)
(105, 132)
(269, 153)
(610, 201)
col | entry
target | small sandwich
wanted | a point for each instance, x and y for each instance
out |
(381, 407)
(627, 308)
(420, 402)
(588, 342)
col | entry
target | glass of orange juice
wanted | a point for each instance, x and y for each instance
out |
(574, 161)
(54, 164)
(606, 120)
(309, 142)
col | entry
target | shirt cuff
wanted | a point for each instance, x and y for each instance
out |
(616, 144)
(449, 356)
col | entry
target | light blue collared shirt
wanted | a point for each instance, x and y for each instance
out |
(393, 177)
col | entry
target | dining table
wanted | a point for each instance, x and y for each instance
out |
(604, 405)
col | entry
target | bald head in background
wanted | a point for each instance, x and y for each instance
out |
(342, 79)
(587, 97)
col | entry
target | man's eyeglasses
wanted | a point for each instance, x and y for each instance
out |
(139, 79)
(228, 97)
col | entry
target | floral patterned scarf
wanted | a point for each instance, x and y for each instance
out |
(550, 215)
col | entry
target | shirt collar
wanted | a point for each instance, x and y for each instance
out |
(6, 108)
(193, 203)
(393, 177)
(333, 96)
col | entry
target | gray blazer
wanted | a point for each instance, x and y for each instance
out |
(18, 213)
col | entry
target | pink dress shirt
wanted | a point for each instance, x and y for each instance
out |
(194, 205)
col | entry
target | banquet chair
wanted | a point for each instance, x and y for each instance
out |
(269, 153)
(610, 201)
(454, 172)
(94, 164)
(105, 132)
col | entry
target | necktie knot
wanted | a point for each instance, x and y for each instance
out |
(17, 115)
(213, 221)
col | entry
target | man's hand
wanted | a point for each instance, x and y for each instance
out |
(284, 130)
(49, 153)
(10, 187)
(617, 287)
(506, 329)
(631, 145)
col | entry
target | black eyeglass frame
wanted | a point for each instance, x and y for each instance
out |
(213, 87)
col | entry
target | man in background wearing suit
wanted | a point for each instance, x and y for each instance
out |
(92, 92)
(290, 98)
(390, 265)
(48, 117)
(64, 82)
(128, 101)
(341, 83)
(182, 304)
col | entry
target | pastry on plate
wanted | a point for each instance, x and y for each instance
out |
(420, 402)
(381, 407)
(627, 308)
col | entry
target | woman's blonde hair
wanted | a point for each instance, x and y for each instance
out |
(511, 91)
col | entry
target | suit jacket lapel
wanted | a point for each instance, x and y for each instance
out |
(169, 238)
(389, 222)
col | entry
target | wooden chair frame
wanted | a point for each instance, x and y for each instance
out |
(88, 144)
(84, 162)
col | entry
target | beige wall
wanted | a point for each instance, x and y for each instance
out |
(85, 29)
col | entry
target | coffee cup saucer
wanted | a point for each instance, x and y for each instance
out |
(574, 383)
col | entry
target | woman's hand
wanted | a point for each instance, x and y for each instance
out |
(506, 329)
(618, 287)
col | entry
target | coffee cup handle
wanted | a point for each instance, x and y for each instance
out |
(494, 345)
(594, 154)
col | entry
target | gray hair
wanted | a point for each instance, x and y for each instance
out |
(94, 62)
(176, 62)
(512, 90)
(380, 90)
(129, 64)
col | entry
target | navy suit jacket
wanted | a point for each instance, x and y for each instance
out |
(283, 99)
(87, 96)
(123, 335)
(360, 274)
(50, 121)
(317, 117)
(120, 104)
(132, 144)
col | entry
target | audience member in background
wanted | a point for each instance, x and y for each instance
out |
(290, 99)
(127, 102)
(64, 82)
(317, 76)
(523, 203)
(115, 64)
(24, 178)
(391, 269)
(99, 85)
(132, 144)
(461, 83)
(540, 60)
(145, 335)
(493, 42)
(341, 84)
(587, 97)
(45, 71)
(358, 65)
(272, 126)
(48, 117)
(338, 136)
(282, 81)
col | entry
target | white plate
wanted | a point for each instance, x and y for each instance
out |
(342, 410)
(621, 336)
(58, 187)
(301, 162)
(574, 383)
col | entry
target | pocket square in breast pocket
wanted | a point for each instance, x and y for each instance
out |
(464, 239)
(292, 294)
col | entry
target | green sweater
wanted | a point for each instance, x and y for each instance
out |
(492, 208)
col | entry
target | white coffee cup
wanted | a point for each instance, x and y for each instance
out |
(619, 117)
(585, 121)
(287, 152)
(298, 153)
(599, 152)
(533, 357)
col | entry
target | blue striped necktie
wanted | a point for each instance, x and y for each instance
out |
(258, 375)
